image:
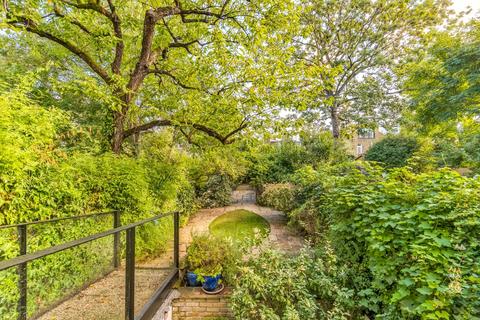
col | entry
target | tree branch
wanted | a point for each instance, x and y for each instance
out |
(113, 17)
(95, 6)
(224, 139)
(184, 13)
(152, 16)
(189, 138)
(120, 46)
(174, 79)
(147, 56)
(77, 23)
(32, 27)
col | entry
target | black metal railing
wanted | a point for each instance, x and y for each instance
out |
(21, 262)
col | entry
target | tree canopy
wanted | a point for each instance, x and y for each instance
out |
(198, 66)
(349, 50)
(444, 82)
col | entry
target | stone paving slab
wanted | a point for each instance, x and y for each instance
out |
(244, 194)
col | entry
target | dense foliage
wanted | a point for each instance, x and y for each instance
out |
(279, 196)
(275, 286)
(417, 235)
(42, 177)
(123, 105)
(444, 82)
(392, 151)
(181, 64)
(210, 255)
(407, 243)
(278, 161)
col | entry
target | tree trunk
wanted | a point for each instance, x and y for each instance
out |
(118, 129)
(335, 122)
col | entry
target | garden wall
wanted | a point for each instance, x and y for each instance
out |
(193, 304)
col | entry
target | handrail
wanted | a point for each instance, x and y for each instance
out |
(90, 215)
(21, 262)
(67, 245)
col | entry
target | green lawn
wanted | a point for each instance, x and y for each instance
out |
(238, 224)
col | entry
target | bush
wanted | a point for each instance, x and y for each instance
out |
(205, 255)
(471, 147)
(214, 174)
(217, 192)
(393, 151)
(208, 255)
(410, 231)
(280, 196)
(277, 163)
(407, 243)
(272, 285)
(398, 235)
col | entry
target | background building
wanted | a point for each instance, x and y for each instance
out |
(364, 140)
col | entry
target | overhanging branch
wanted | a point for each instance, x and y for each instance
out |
(174, 79)
(224, 139)
(31, 26)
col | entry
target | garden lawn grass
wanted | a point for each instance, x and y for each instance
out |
(238, 224)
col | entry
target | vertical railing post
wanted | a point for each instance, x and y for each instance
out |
(130, 276)
(22, 274)
(116, 240)
(176, 239)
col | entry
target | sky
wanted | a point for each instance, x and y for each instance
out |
(460, 5)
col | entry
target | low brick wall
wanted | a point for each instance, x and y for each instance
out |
(194, 304)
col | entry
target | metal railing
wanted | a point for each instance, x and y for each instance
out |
(21, 262)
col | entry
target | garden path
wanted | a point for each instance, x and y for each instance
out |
(244, 198)
(103, 300)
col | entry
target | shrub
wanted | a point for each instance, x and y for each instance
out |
(272, 285)
(415, 237)
(280, 196)
(322, 148)
(471, 147)
(276, 163)
(208, 255)
(407, 243)
(216, 192)
(214, 174)
(205, 255)
(449, 154)
(393, 151)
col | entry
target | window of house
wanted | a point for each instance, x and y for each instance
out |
(366, 133)
(359, 149)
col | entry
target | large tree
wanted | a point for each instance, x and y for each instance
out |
(194, 65)
(349, 49)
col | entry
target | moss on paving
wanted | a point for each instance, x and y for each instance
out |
(239, 224)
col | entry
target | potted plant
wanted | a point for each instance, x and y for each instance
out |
(193, 262)
(205, 258)
(192, 279)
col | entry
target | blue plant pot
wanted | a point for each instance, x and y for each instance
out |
(211, 283)
(192, 279)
